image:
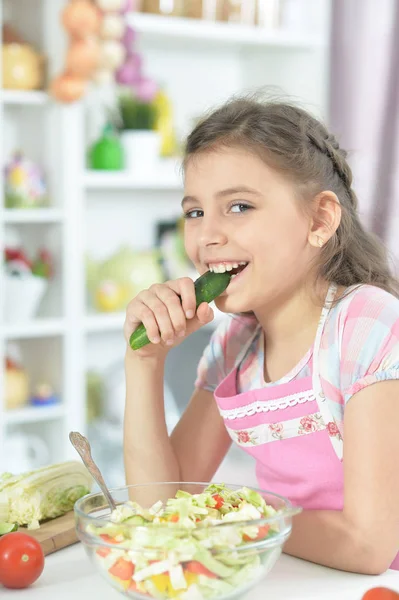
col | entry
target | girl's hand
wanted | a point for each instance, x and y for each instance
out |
(168, 313)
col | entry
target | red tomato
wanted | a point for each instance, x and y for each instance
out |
(21, 560)
(123, 569)
(198, 568)
(103, 552)
(263, 530)
(219, 501)
(174, 518)
(107, 539)
(380, 593)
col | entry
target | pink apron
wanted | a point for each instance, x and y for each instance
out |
(290, 431)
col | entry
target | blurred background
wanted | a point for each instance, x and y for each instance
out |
(97, 97)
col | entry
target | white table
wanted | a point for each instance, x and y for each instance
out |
(69, 575)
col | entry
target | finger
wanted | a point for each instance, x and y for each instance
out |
(204, 316)
(186, 290)
(143, 314)
(173, 303)
(204, 313)
(161, 315)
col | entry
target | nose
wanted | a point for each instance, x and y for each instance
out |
(212, 232)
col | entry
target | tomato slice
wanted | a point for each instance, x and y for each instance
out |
(199, 569)
(263, 530)
(108, 539)
(103, 552)
(21, 560)
(219, 501)
(174, 518)
(380, 593)
(123, 569)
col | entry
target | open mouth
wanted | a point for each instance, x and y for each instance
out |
(235, 268)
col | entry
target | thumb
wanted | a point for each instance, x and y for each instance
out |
(203, 316)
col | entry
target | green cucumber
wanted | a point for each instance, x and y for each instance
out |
(207, 287)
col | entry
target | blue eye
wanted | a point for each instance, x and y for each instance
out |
(240, 206)
(194, 214)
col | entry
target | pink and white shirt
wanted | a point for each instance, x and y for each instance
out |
(359, 346)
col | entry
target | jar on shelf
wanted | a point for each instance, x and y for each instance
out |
(193, 9)
(236, 11)
(268, 14)
(167, 8)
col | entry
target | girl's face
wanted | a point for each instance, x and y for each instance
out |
(239, 210)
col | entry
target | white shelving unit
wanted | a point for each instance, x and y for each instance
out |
(166, 178)
(39, 215)
(49, 344)
(34, 415)
(21, 98)
(93, 213)
(160, 30)
(34, 329)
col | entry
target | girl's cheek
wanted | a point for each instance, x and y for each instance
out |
(189, 247)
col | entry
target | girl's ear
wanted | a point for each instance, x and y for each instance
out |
(325, 218)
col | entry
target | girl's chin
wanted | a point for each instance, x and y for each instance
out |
(229, 305)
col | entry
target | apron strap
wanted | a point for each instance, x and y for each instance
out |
(322, 401)
(243, 352)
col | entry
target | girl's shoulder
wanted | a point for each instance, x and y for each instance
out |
(367, 304)
(360, 343)
(231, 336)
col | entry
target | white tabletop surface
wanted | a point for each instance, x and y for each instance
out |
(69, 575)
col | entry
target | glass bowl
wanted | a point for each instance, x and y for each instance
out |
(221, 559)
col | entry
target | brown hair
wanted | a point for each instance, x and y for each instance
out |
(298, 145)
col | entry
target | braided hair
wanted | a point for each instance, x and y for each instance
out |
(298, 145)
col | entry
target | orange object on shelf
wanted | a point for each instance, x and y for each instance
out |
(68, 88)
(83, 57)
(81, 18)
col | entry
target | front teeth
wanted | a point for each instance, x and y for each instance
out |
(223, 267)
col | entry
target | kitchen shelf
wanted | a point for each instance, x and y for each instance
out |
(38, 215)
(164, 178)
(177, 29)
(17, 97)
(34, 414)
(104, 322)
(34, 329)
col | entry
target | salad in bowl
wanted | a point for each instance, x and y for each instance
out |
(189, 541)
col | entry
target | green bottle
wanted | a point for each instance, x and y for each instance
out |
(106, 153)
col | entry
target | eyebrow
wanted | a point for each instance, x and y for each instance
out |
(227, 192)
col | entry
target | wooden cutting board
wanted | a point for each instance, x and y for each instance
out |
(55, 534)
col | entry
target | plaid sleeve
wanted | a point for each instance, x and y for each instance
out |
(220, 356)
(370, 340)
(211, 368)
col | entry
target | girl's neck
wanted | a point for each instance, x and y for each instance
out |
(294, 316)
(290, 329)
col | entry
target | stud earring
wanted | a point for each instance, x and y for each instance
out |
(320, 242)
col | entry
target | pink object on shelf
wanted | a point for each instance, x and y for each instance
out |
(130, 5)
(129, 38)
(146, 89)
(130, 72)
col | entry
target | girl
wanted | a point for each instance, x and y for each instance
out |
(304, 375)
